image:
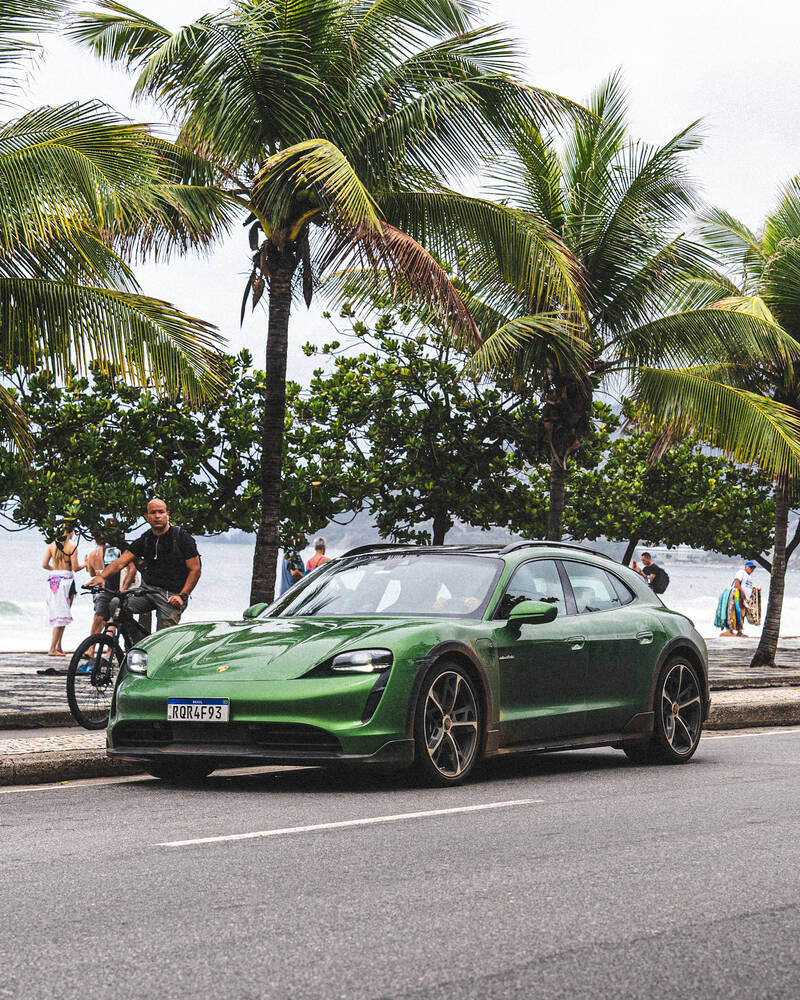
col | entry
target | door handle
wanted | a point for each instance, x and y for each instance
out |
(644, 637)
(576, 641)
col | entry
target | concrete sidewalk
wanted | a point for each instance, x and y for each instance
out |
(30, 701)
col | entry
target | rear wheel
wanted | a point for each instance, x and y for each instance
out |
(678, 712)
(447, 726)
(180, 771)
(90, 682)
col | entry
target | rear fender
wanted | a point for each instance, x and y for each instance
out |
(683, 645)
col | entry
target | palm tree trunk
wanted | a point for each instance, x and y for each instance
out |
(764, 655)
(566, 417)
(558, 498)
(265, 558)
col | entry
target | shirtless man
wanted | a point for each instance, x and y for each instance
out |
(100, 557)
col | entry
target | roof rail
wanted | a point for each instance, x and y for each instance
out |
(381, 546)
(555, 545)
(376, 546)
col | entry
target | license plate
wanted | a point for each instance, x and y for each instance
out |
(198, 709)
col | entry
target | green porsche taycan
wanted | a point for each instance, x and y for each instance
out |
(425, 657)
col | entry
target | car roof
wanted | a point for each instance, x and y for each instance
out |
(480, 550)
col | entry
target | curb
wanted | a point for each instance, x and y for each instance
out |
(37, 720)
(61, 765)
(776, 706)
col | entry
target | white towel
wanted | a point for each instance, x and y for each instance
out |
(59, 584)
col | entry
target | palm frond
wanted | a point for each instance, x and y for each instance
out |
(780, 284)
(500, 243)
(558, 344)
(320, 168)
(14, 428)
(390, 261)
(59, 324)
(735, 244)
(784, 223)
(726, 335)
(749, 427)
(117, 34)
(20, 22)
(532, 180)
(58, 165)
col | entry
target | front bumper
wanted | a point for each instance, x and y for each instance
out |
(396, 753)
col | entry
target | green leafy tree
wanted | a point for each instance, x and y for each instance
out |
(104, 448)
(686, 497)
(619, 207)
(77, 185)
(335, 124)
(420, 443)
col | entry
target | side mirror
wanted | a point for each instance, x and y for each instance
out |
(254, 610)
(532, 613)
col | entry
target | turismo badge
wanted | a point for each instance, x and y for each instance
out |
(225, 666)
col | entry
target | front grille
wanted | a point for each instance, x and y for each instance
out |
(284, 737)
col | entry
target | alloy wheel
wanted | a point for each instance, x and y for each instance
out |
(451, 724)
(681, 709)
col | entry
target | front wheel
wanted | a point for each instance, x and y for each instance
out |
(447, 726)
(678, 717)
(90, 682)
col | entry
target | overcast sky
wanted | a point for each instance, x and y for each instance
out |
(732, 64)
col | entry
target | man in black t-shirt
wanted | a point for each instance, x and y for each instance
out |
(656, 576)
(170, 567)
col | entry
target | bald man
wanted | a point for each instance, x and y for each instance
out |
(170, 567)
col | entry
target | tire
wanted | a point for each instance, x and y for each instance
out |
(90, 683)
(678, 711)
(447, 726)
(180, 771)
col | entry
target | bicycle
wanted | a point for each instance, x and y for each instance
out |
(90, 681)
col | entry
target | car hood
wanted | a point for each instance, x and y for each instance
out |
(268, 649)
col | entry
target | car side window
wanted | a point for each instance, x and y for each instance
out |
(592, 587)
(533, 581)
(624, 592)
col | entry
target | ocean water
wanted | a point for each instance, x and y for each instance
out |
(224, 590)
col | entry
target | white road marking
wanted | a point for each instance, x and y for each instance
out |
(747, 734)
(369, 821)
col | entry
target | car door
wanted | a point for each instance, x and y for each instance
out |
(621, 643)
(542, 666)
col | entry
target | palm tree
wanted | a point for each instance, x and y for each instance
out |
(759, 274)
(618, 207)
(337, 125)
(76, 182)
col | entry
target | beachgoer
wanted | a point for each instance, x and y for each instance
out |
(97, 560)
(319, 557)
(732, 603)
(292, 565)
(61, 560)
(656, 577)
(170, 567)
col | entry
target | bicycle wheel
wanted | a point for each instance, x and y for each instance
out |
(90, 683)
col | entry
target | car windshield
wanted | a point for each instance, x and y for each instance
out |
(403, 583)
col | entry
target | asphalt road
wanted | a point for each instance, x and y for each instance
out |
(579, 876)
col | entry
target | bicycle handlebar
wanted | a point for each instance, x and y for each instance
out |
(97, 589)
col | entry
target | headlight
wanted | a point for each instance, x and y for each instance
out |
(137, 661)
(362, 661)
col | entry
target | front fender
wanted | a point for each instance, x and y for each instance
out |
(464, 651)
